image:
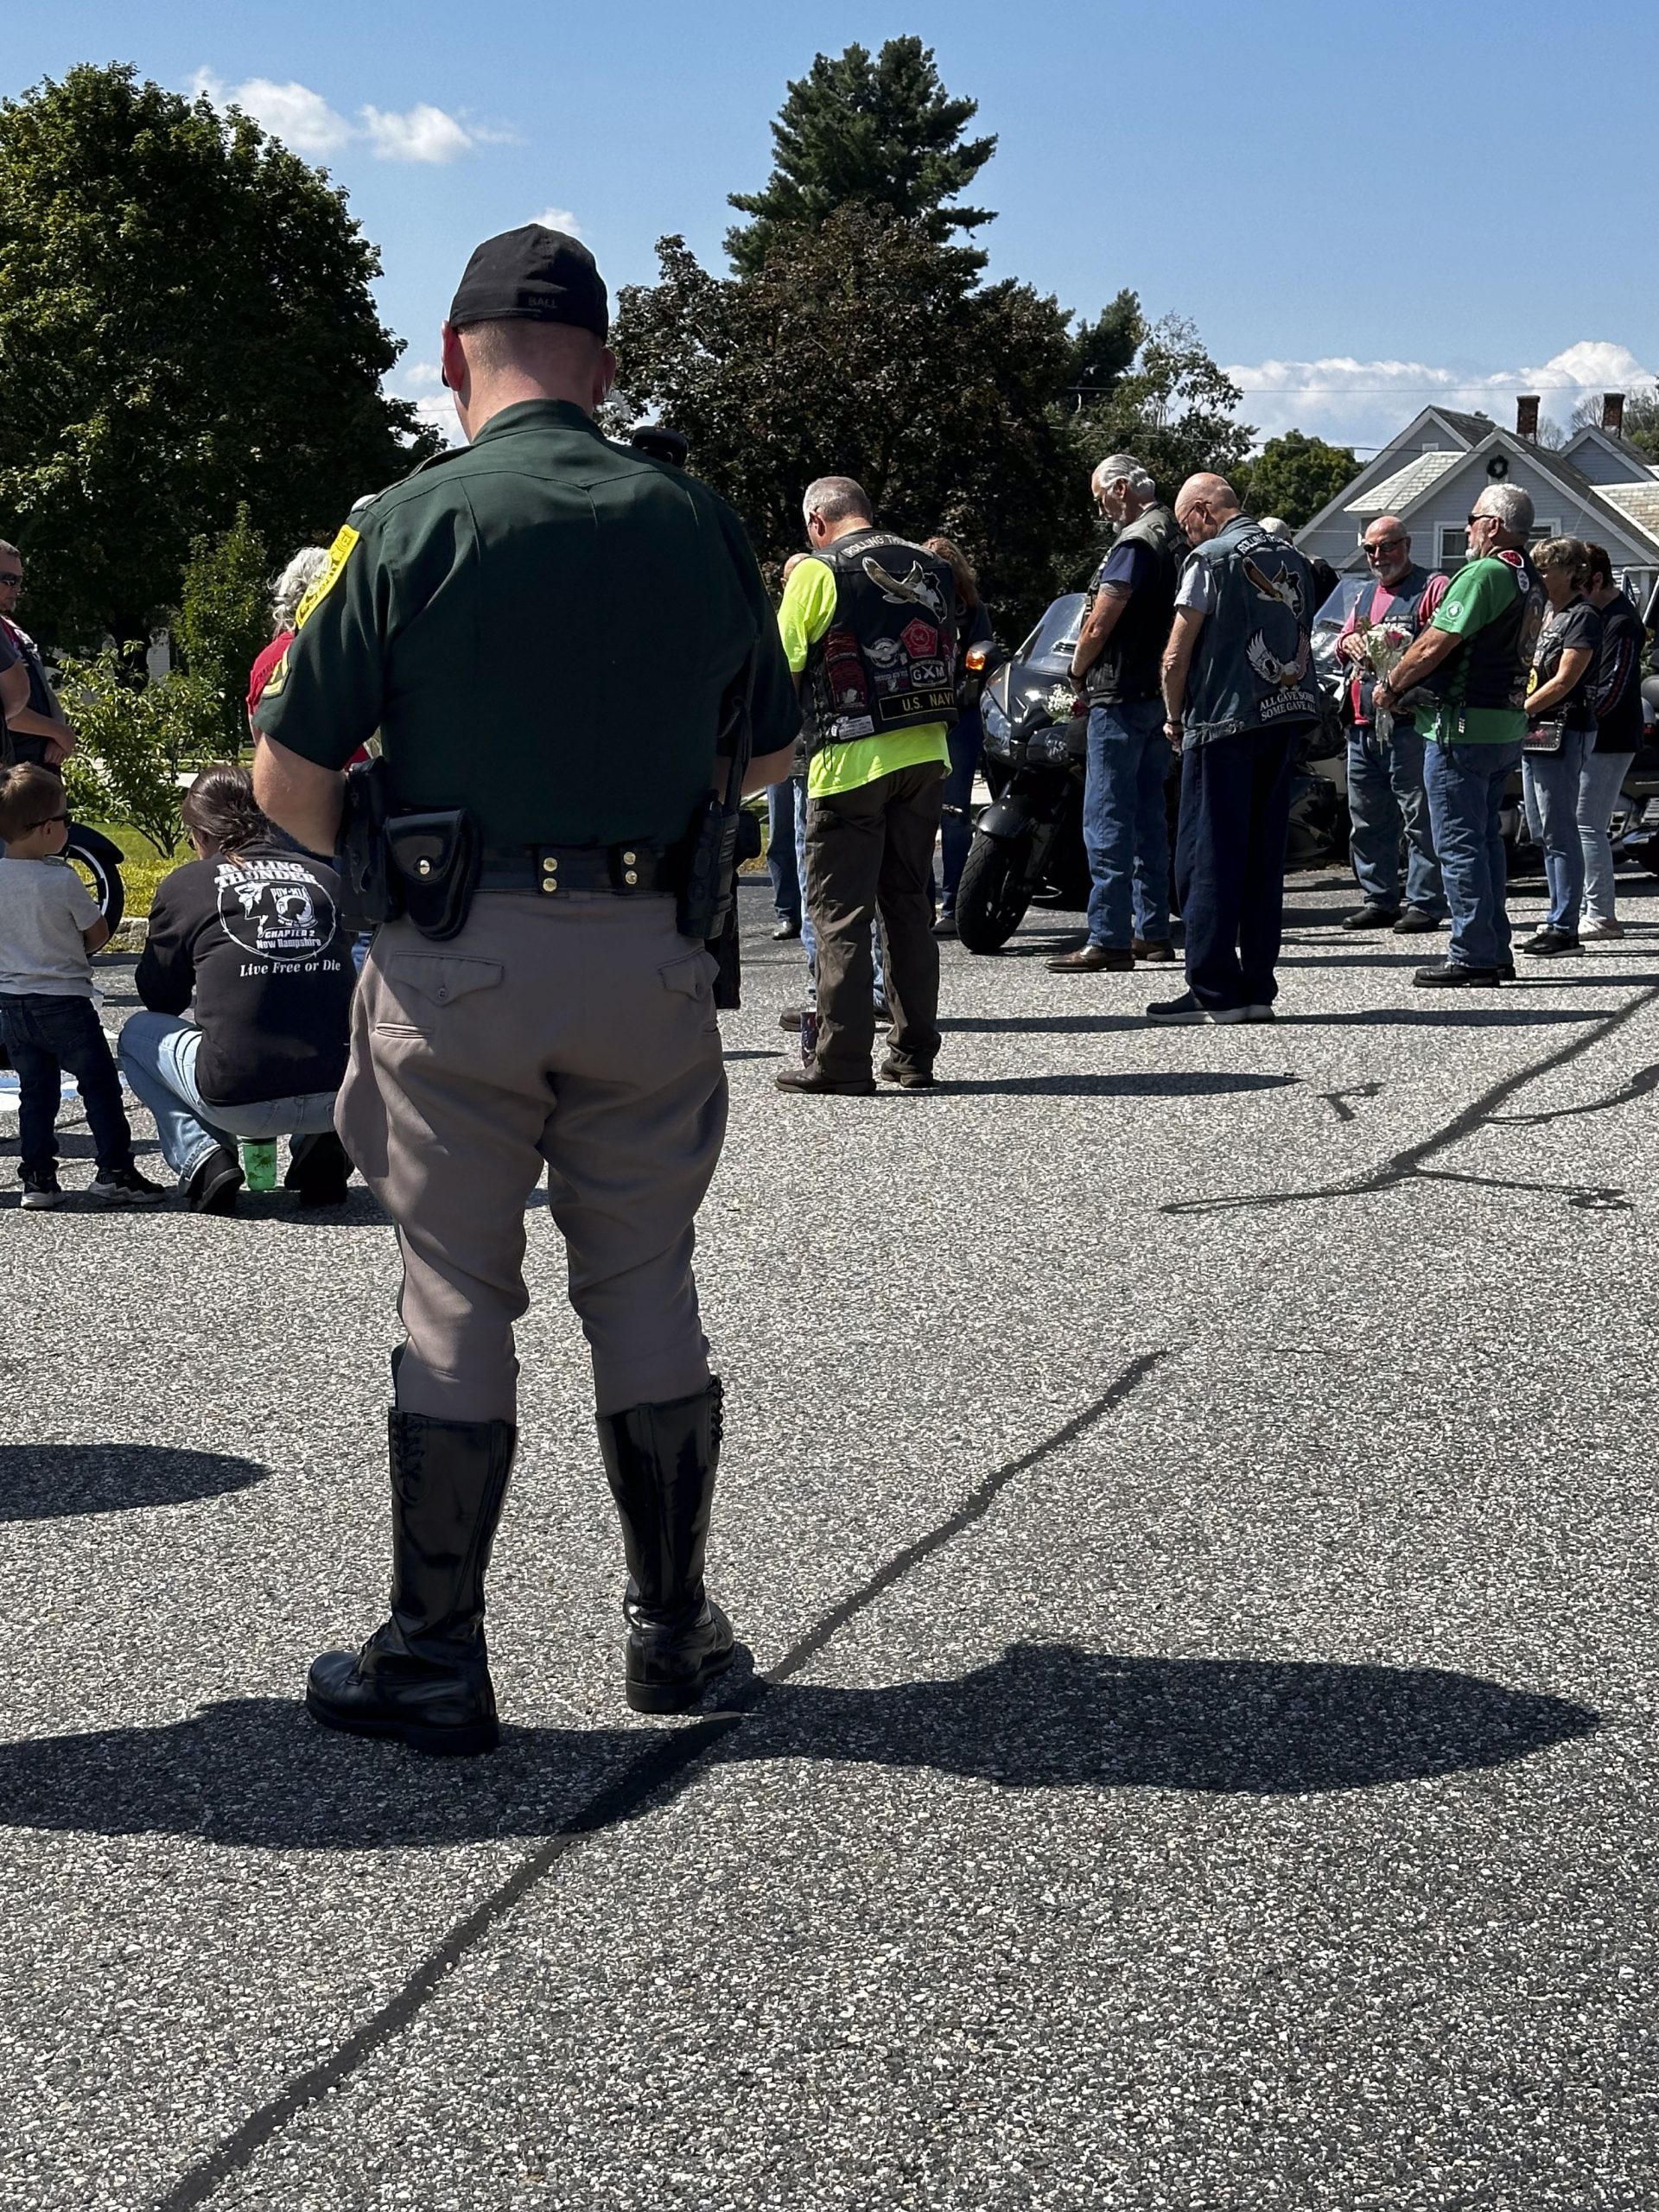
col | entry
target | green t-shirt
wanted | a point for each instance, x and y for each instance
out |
(1478, 594)
(807, 609)
(542, 628)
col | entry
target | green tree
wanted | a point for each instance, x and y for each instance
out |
(1172, 410)
(868, 348)
(866, 133)
(224, 619)
(186, 324)
(1295, 476)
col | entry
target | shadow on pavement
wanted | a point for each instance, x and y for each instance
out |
(1170, 1083)
(1437, 1016)
(51, 1482)
(1042, 1717)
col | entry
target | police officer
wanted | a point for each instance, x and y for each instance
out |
(548, 631)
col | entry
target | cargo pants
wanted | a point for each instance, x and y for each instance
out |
(574, 1034)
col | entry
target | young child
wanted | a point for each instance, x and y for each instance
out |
(48, 928)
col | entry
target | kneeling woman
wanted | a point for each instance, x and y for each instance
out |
(248, 937)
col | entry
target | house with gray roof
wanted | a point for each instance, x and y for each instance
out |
(1597, 485)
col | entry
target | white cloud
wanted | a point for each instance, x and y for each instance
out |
(425, 133)
(304, 121)
(1365, 403)
(421, 376)
(558, 218)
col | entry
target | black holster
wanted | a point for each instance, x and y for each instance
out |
(368, 891)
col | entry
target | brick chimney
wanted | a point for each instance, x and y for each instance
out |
(1526, 415)
(1612, 413)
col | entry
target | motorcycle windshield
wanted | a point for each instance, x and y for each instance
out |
(1052, 644)
(1327, 628)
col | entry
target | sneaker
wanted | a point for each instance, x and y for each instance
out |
(1601, 926)
(1186, 1008)
(212, 1185)
(126, 1186)
(1452, 975)
(946, 924)
(1415, 923)
(1372, 917)
(1549, 944)
(41, 1189)
(786, 928)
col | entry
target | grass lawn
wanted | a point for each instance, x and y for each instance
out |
(143, 867)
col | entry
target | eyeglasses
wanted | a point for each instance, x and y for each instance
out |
(11, 576)
(1382, 545)
(47, 820)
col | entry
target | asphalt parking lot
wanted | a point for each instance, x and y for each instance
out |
(1188, 1496)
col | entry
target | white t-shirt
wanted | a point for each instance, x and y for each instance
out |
(44, 906)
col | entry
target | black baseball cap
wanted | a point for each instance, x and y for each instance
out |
(532, 275)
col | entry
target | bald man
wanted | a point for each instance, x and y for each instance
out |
(1386, 798)
(1239, 698)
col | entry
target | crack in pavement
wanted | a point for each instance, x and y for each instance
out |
(647, 1782)
(1411, 1163)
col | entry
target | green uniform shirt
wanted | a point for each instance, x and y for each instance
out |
(1479, 592)
(806, 611)
(542, 628)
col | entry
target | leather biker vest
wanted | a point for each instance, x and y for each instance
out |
(1252, 668)
(888, 660)
(1492, 668)
(1130, 663)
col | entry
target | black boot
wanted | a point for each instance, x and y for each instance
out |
(424, 1677)
(660, 1462)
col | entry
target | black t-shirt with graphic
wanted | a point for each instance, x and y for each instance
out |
(254, 938)
(1576, 624)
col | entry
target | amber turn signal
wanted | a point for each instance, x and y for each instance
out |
(975, 658)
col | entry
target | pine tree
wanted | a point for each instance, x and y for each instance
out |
(858, 132)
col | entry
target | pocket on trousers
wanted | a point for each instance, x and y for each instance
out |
(692, 976)
(416, 988)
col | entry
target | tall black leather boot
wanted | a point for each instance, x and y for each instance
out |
(660, 1462)
(424, 1677)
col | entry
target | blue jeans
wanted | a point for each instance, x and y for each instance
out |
(1386, 801)
(1600, 783)
(781, 862)
(1551, 782)
(158, 1057)
(1465, 785)
(1230, 863)
(47, 1036)
(956, 826)
(809, 935)
(1125, 832)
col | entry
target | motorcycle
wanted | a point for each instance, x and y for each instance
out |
(1028, 842)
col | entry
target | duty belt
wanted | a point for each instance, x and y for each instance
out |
(626, 870)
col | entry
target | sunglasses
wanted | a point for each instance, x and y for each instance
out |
(11, 576)
(47, 820)
(1383, 545)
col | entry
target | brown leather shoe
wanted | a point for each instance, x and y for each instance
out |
(907, 1078)
(811, 1078)
(1157, 951)
(1089, 957)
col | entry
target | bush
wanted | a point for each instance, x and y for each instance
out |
(135, 744)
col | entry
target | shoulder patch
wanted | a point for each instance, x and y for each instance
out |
(339, 554)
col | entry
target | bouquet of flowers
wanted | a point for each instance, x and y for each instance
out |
(1384, 647)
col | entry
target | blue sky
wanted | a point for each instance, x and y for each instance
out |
(1359, 208)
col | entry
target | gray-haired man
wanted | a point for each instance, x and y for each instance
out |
(1131, 603)
(1476, 655)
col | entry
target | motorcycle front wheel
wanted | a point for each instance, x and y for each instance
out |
(993, 894)
(94, 860)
